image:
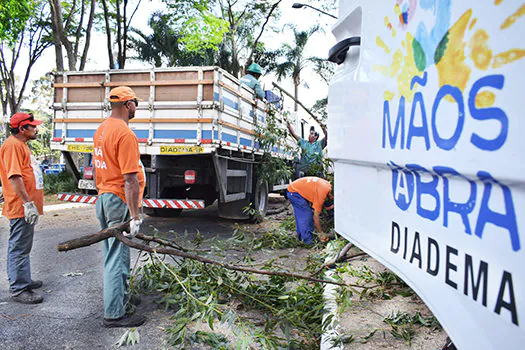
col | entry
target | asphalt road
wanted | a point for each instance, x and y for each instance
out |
(71, 315)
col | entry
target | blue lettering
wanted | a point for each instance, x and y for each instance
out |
(426, 188)
(495, 81)
(402, 186)
(405, 187)
(463, 209)
(418, 131)
(486, 215)
(400, 124)
(421, 131)
(448, 144)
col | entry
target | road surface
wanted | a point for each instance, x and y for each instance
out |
(71, 315)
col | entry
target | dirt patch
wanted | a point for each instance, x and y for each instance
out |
(365, 322)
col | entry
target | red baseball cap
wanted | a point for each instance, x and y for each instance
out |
(20, 119)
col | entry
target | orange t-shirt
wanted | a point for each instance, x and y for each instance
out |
(313, 189)
(16, 159)
(116, 152)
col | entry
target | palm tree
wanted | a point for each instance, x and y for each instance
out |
(295, 59)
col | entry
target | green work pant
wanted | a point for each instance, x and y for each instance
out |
(112, 211)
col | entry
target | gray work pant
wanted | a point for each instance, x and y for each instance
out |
(112, 211)
(18, 250)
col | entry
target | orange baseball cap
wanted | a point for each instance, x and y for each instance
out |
(20, 119)
(122, 94)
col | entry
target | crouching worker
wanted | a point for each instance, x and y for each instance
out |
(305, 194)
(119, 178)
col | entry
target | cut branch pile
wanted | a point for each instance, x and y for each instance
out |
(116, 232)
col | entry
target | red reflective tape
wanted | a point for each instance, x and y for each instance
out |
(179, 140)
(187, 204)
(227, 143)
(244, 147)
(57, 139)
(143, 140)
(158, 203)
(199, 205)
(79, 139)
(206, 141)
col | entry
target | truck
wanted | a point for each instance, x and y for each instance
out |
(426, 124)
(197, 129)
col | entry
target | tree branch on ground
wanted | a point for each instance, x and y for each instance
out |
(116, 232)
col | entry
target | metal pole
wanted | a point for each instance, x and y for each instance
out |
(298, 6)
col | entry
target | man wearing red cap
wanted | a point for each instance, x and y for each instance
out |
(119, 177)
(23, 185)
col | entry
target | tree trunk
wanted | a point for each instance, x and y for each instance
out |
(83, 59)
(119, 36)
(108, 36)
(56, 38)
(296, 95)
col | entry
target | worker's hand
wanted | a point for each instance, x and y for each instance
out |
(30, 213)
(323, 237)
(134, 227)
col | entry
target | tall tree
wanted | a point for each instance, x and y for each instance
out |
(165, 47)
(240, 24)
(117, 22)
(295, 59)
(72, 23)
(31, 39)
(13, 17)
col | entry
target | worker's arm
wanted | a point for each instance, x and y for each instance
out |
(132, 189)
(292, 131)
(325, 140)
(95, 177)
(317, 222)
(19, 188)
(259, 91)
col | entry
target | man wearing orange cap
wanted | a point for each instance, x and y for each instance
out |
(119, 177)
(23, 185)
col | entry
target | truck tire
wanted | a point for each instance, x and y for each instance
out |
(258, 201)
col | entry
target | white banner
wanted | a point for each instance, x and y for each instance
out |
(426, 128)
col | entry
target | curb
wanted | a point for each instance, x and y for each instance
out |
(330, 295)
(56, 207)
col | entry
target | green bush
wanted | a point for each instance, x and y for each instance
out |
(63, 182)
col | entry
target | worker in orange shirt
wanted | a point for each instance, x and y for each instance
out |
(23, 185)
(305, 194)
(119, 177)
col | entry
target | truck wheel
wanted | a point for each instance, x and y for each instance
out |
(260, 200)
(257, 202)
(162, 212)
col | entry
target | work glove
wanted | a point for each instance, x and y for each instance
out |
(134, 228)
(30, 213)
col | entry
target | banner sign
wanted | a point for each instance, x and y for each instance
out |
(426, 121)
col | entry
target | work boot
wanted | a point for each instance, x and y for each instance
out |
(124, 321)
(27, 297)
(35, 284)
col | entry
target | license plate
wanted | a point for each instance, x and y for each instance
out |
(86, 184)
(181, 149)
(80, 148)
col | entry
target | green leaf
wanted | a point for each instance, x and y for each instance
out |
(441, 48)
(419, 55)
